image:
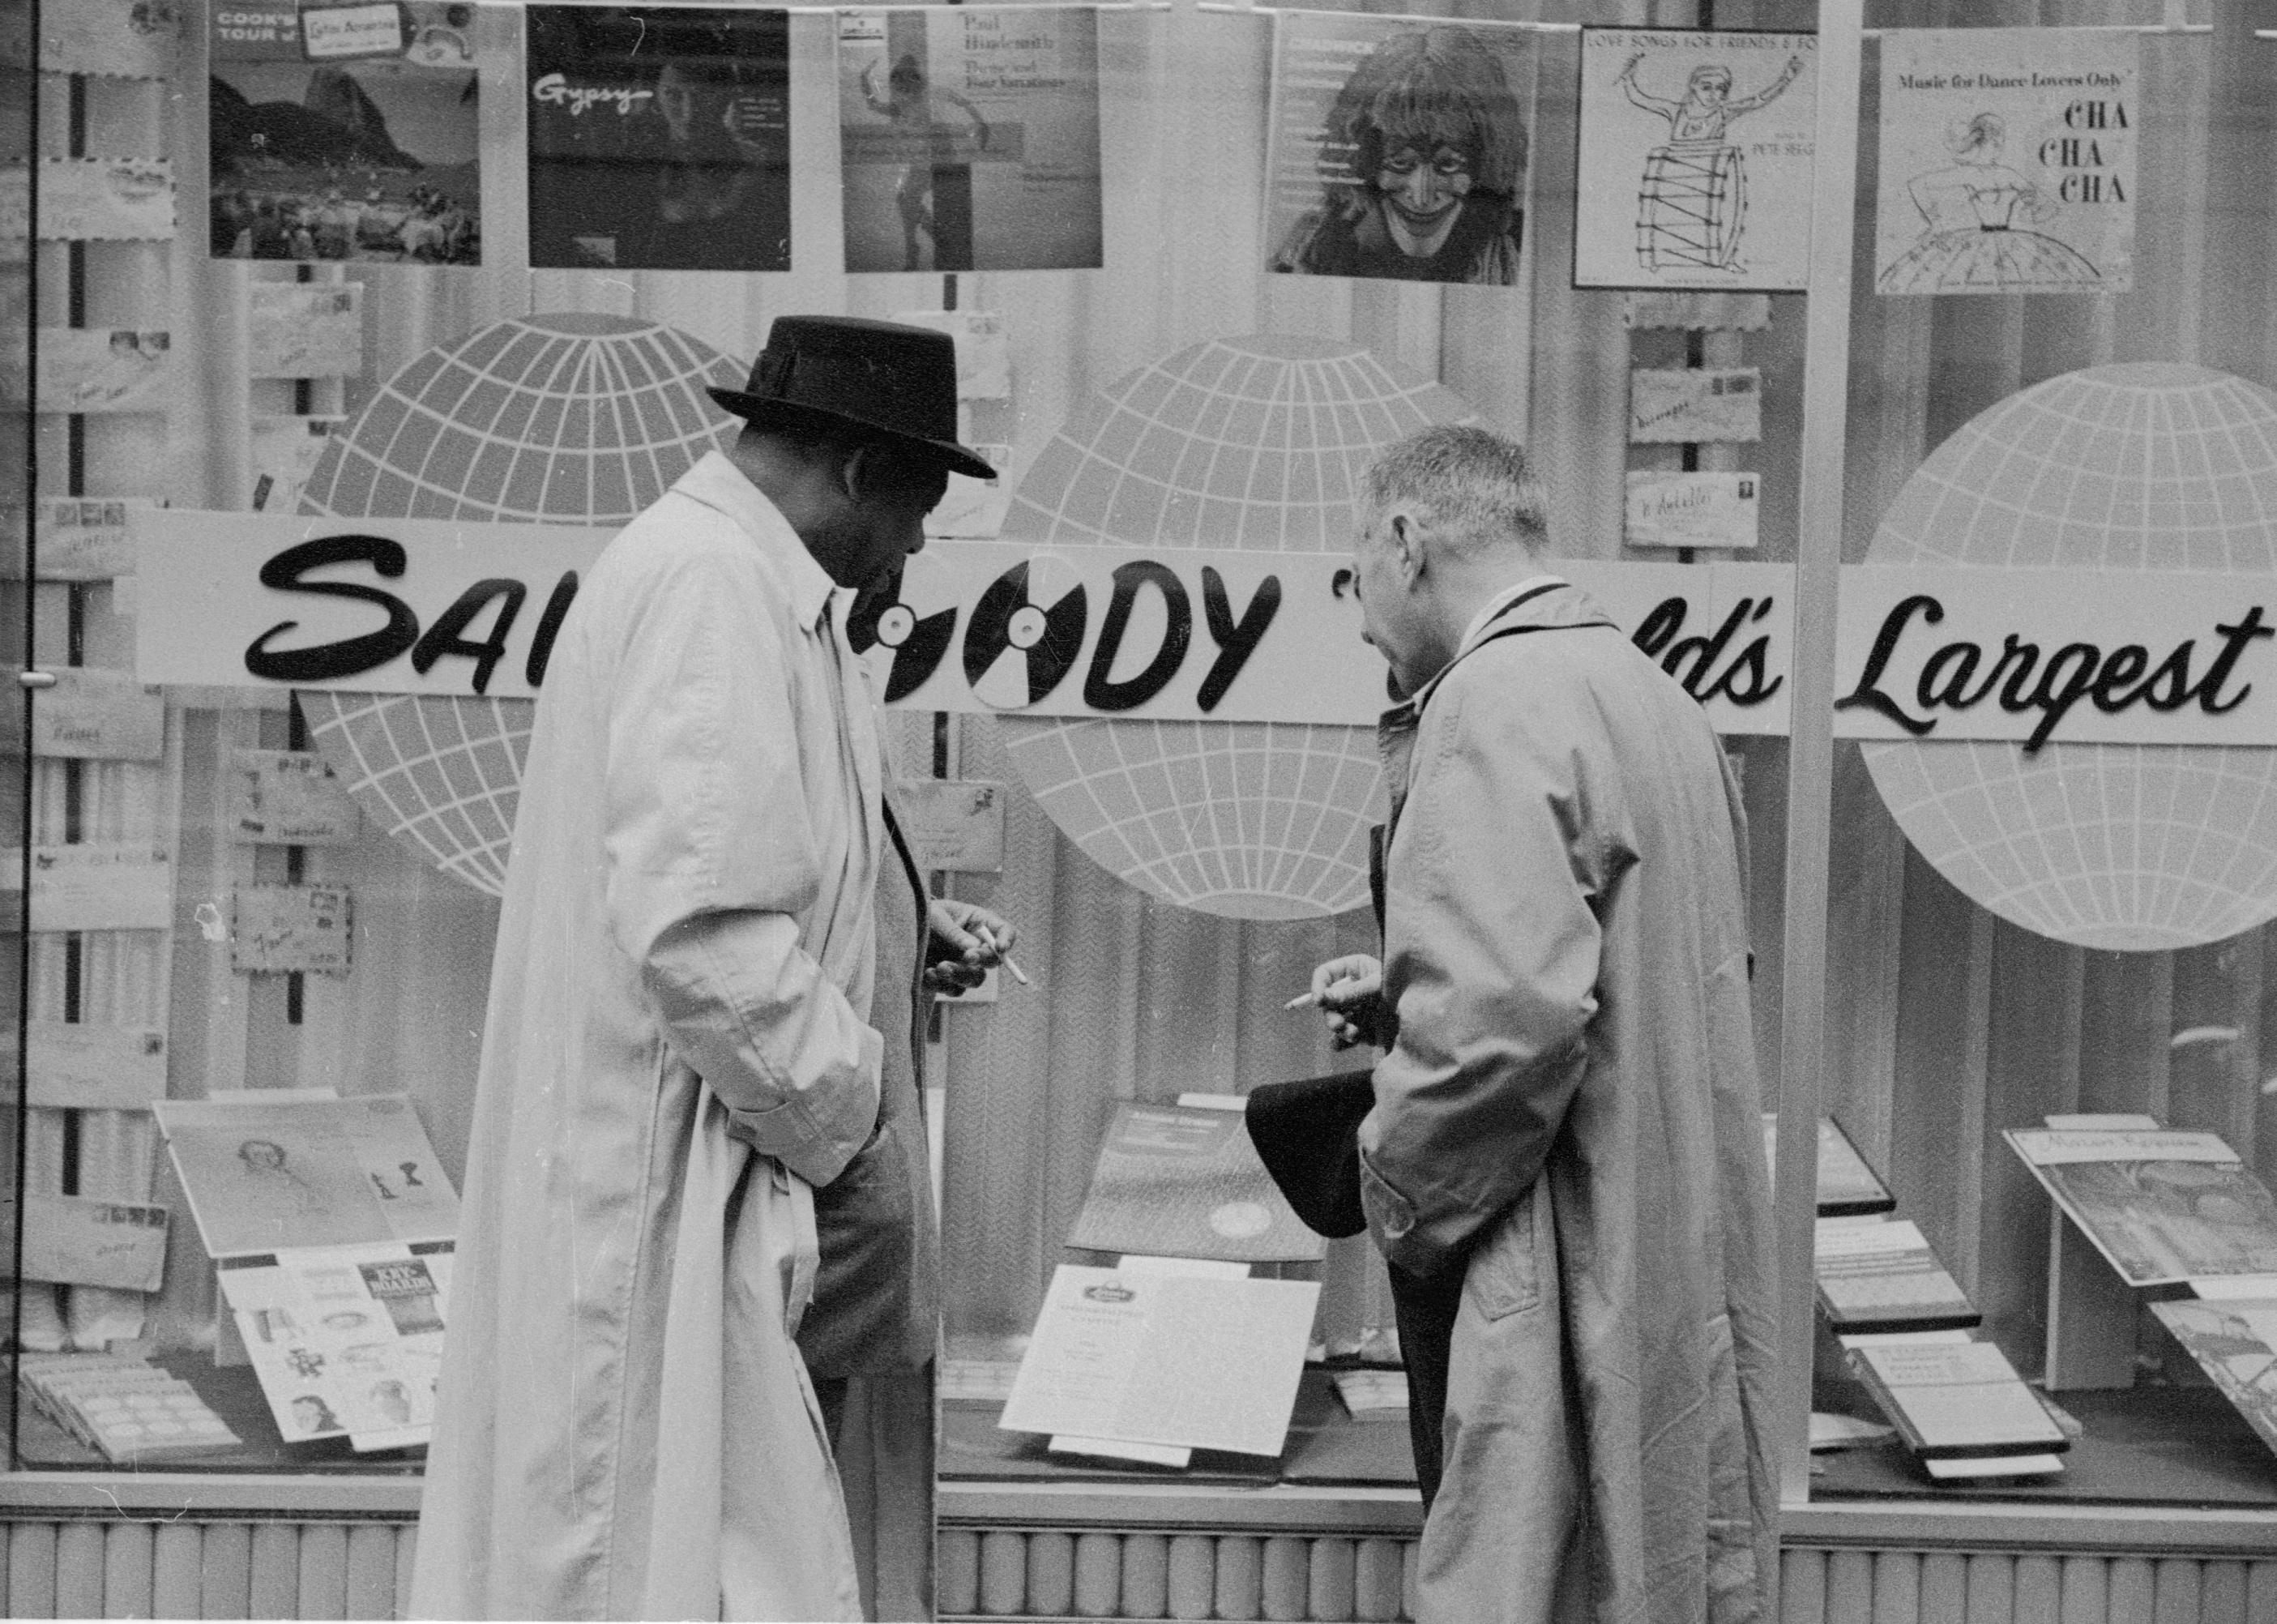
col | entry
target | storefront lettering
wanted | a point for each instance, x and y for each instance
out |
(1747, 680)
(2111, 680)
(446, 638)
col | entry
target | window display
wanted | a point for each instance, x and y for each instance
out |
(329, 379)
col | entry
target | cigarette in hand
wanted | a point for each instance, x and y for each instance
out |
(988, 939)
(1301, 1000)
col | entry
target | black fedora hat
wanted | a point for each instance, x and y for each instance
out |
(833, 371)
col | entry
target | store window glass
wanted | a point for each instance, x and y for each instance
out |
(2049, 898)
(339, 339)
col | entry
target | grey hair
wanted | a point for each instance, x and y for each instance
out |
(1478, 489)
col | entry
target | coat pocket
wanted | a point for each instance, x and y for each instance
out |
(1505, 1273)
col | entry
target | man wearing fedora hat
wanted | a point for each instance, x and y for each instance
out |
(688, 1126)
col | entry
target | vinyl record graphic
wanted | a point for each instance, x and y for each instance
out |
(1026, 632)
(893, 616)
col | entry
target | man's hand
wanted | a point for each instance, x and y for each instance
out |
(967, 942)
(1349, 991)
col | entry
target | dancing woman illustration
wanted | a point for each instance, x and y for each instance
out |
(1975, 221)
(935, 195)
(1422, 157)
(1692, 203)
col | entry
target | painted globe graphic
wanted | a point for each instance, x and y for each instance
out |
(567, 419)
(2116, 846)
(1254, 443)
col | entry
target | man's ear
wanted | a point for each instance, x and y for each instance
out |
(1404, 535)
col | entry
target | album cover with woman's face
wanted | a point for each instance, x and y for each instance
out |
(659, 138)
(1400, 149)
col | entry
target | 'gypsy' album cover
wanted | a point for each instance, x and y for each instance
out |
(659, 138)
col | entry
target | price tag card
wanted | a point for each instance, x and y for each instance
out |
(289, 797)
(91, 200)
(89, 1066)
(953, 825)
(95, 887)
(279, 929)
(80, 1240)
(1701, 405)
(305, 329)
(94, 715)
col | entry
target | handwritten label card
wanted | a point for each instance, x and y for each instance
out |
(279, 929)
(78, 538)
(80, 1240)
(89, 1067)
(305, 330)
(1692, 510)
(93, 369)
(953, 825)
(94, 715)
(984, 367)
(88, 200)
(289, 797)
(95, 887)
(1695, 404)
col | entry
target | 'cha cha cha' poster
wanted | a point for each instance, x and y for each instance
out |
(1695, 159)
(971, 139)
(1399, 148)
(343, 133)
(659, 138)
(2007, 161)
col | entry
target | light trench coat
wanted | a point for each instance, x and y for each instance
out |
(1569, 1115)
(625, 1429)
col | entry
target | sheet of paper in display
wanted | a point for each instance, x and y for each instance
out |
(266, 1174)
(96, 369)
(1670, 509)
(345, 1340)
(1175, 1359)
(80, 539)
(79, 1240)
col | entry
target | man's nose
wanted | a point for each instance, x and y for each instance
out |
(1420, 186)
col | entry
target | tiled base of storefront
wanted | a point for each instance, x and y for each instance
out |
(87, 1564)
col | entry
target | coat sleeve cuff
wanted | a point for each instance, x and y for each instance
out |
(815, 1133)
(1391, 1220)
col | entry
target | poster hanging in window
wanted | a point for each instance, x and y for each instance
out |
(343, 133)
(971, 139)
(1695, 159)
(659, 138)
(1398, 149)
(2007, 161)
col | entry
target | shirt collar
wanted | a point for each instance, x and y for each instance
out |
(1500, 601)
(716, 482)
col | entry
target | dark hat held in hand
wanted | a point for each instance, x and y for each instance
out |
(832, 371)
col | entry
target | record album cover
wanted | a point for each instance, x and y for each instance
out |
(971, 139)
(343, 133)
(1398, 148)
(659, 138)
